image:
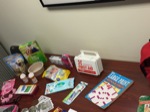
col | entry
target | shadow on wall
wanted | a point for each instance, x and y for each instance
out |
(4, 43)
(100, 5)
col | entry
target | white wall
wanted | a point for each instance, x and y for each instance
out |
(116, 30)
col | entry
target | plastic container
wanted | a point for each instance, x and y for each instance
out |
(88, 62)
(37, 68)
(32, 77)
(24, 78)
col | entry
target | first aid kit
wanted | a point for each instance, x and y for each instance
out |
(89, 62)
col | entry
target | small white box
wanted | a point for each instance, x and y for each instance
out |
(88, 62)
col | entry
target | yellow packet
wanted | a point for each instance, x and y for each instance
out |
(55, 73)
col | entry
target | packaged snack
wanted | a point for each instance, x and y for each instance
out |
(58, 109)
(56, 60)
(59, 86)
(54, 73)
(32, 52)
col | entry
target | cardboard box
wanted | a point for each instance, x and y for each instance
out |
(16, 63)
(32, 52)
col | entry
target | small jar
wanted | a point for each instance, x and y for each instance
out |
(24, 78)
(32, 77)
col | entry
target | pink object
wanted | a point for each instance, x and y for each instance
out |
(66, 60)
(9, 108)
(7, 90)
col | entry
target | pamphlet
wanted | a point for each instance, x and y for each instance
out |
(109, 89)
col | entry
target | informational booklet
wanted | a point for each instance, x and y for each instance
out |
(26, 89)
(109, 89)
(45, 104)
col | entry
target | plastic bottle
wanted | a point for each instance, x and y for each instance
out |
(24, 78)
(32, 77)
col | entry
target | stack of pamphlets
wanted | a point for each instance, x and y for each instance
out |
(26, 89)
(45, 104)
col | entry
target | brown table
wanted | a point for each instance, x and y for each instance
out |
(127, 102)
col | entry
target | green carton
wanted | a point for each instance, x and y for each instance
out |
(32, 52)
(144, 104)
